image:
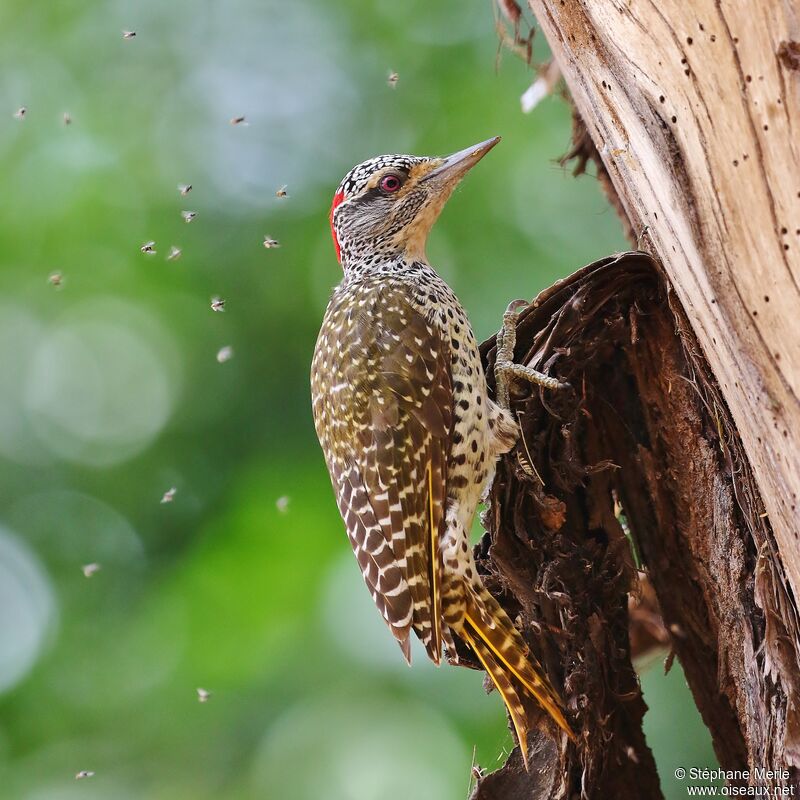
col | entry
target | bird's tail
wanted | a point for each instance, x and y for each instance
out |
(504, 655)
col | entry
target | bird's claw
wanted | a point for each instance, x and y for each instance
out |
(505, 369)
(515, 307)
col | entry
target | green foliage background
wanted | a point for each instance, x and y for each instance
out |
(112, 394)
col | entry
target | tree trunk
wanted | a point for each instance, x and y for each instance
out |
(682, 426)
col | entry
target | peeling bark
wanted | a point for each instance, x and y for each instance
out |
(644, 436)
(694, 109)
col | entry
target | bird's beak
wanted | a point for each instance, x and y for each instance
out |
(439, 184)
(455, 166)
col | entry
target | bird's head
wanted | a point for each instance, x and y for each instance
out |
(386, 206)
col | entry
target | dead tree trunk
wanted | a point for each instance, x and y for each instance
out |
(683, 421)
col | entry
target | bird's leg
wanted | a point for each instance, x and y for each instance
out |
(505, 369)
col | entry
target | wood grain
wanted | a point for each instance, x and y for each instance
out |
(695, 110)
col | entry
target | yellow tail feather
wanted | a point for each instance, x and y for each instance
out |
(506, 689)
(506, 647)
(435, 648)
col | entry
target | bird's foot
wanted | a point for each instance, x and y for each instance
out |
(505, 370)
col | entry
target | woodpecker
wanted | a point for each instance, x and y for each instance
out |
(409, 433)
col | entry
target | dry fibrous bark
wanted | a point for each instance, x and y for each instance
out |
(643, 447)
(694, 109)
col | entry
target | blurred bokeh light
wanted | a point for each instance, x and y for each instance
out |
(113, 394)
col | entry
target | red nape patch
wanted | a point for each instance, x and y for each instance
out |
(338, 198)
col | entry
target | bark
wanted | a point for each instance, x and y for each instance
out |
(681, 430)
(695, 110)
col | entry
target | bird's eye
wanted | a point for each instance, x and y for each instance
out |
(390, 183)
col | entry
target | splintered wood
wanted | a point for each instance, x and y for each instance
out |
(695, 110)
